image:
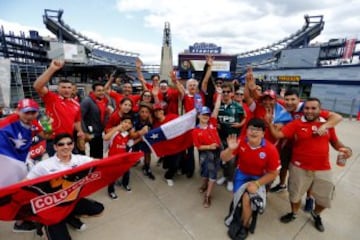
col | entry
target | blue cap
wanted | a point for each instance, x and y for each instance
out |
(205, 110)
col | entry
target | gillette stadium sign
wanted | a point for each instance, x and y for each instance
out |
(209, 48)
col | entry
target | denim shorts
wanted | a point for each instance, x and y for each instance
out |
(209, 164)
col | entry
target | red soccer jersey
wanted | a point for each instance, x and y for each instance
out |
(172, 100)
(113, 121)
(118, 143)
(189, 103)
(206, 136)
(168, 118)
(310, 151)
(118, 97)
(257, 161)
(63, 111)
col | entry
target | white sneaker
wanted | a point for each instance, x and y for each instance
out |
(169, 182)
(220, 181)
(230, 186)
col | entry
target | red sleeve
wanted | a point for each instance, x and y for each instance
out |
(149, 86)
(112, 121)
(273, 161)
(116, 96)
(213, 121)
(289, 129)
(332, 135)
(324, 113)
(49, 97)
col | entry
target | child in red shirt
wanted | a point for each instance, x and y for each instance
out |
(119, 138)
(207, 141)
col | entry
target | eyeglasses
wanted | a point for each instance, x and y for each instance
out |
(239, 94)
(226, 92)
(255, 129)
(61, 144)
(147, 95)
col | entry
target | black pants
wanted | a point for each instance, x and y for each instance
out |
(59, 231)
(187, 162)
(125, 180)
(96, 147)
(171, 163)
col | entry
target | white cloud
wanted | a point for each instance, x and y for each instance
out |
(16, 28)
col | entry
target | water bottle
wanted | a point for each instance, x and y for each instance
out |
(198, 102)
(45, 123)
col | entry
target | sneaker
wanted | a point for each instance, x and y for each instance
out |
(127, 188)
(317, 222)
(309, 204)
(288, 217)
(170, 182)
(76, 223)
(113, 195)
(25, 226)
(147, 172)
(243, 233)
(278, 188)
(220, 181)
(230, 186)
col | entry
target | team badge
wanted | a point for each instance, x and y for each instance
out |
(262, 155)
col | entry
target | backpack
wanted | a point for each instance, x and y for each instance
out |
(235, 225)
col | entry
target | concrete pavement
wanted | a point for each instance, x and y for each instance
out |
(155, 211)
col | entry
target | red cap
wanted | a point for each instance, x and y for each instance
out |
(269, 93)
(157, 106)
(28, 105)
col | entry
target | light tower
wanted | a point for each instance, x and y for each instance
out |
(166, 54)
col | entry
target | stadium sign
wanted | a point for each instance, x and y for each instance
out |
(209, 48)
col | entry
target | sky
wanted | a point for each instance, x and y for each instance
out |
(137, 25)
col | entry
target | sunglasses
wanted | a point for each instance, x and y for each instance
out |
(61, 144)
(147, 95)
(239, 94)
(226, 92)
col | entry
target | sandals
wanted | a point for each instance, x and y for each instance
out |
(207, 201)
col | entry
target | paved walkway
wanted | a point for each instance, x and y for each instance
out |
(155, 211)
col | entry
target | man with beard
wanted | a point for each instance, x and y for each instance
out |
(310, 164)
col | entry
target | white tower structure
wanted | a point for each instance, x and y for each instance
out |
(166, 54)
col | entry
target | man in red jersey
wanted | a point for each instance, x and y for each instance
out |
(126, 91)
(295, 107)
(61, 108)
(310, 164)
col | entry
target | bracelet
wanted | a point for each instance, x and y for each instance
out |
(257, 183)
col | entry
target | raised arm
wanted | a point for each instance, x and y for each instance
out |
(107, 86)
(205, 81)
(40, 83)
(215, 111)
(249, 86)
(140, 76)
(177, 84)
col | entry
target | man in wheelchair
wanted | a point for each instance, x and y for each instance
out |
(258, 163)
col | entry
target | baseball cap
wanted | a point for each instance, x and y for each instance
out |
(157, 106)
(205, 110)
(28, 105)
(269, 93)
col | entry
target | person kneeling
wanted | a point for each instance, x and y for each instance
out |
(258, 164)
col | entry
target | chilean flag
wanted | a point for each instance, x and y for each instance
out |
(173, 137)
(15, 142)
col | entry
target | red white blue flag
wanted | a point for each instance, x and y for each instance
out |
(173, 137)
